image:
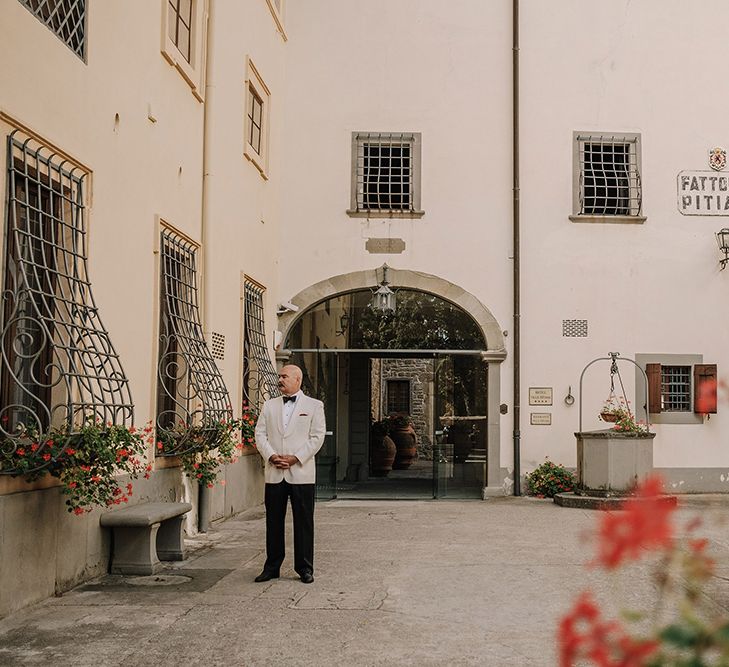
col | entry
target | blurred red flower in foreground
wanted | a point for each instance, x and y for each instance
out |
(584, 634)
(644, 523)
(706, 397)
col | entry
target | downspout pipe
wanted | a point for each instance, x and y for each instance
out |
(516, 247)
(203, 496)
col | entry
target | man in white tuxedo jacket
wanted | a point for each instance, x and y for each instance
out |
(289, 432)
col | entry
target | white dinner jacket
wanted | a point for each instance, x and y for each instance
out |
(303, 437)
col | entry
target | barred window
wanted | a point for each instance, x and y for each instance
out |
(398, 397)
(260, 379)
(676, 388)
(179, 25)
(58, 364)
(608, 175)
(66, 18)
(191, 395)
(385, 173)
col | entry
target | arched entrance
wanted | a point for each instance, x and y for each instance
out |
(433, 363)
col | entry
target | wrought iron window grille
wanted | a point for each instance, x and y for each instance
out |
(192, 399)
(66, 18)
(386, 172)
(59, 368)
(676, 388)
(609, 175)
(260, 379)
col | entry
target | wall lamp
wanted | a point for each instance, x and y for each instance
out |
(722, 240)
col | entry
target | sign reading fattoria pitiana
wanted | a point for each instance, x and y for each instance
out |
(703, 193)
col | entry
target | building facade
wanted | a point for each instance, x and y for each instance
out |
(286, 154)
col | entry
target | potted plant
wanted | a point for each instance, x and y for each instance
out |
(382, 449)
(617, 411)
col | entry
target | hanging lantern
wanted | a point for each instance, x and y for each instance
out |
(722, 240)
(383, 298)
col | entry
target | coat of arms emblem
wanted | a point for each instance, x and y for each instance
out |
(717, 158)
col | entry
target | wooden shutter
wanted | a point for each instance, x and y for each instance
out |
(653, 371)
(705, 389)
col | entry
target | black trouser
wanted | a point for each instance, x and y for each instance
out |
(302, 505)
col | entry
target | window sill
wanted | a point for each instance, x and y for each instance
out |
(385, 214)
(610, 219)
(255, 160)
(277, 19)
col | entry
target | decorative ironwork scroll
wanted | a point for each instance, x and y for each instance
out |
(66, 18)
(58, 367)
(260, 379)
(192, 399)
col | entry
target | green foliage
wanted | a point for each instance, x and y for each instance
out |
(221, 448)
(618, 412)
(87, 459)
(548, 479)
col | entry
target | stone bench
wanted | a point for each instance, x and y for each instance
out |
(144, 534)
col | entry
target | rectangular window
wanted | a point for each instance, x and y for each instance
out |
(681, 388)
(260, 379)
(257, 114)
(179, 25)
(191, 393)
(607, 176)
(398, 397)
(386, 174)
(184, 24)
(66, 18)
(255, 119)
(675, 388)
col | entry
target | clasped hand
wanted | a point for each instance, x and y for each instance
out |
(283, 461)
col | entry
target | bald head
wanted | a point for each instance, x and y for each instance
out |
(289, 379)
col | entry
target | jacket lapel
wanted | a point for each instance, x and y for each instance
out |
(278, 415)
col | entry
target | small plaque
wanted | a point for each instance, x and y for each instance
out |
(540, 395)
(540, 418)
(385, 246)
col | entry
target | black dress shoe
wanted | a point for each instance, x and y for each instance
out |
(266, 576)
(307, 578)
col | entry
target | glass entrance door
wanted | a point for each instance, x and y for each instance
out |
(459, 461)
(320, 381)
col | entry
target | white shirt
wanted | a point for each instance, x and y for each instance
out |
(289, 407)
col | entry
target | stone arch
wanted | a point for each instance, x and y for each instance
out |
(403, 278)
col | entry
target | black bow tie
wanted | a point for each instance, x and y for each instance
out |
(286, 399)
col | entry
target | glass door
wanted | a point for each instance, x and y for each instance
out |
(320, 381)
(459, 461)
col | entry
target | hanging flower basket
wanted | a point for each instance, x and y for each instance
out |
(609, 417)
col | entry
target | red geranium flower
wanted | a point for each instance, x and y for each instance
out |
(644, 523)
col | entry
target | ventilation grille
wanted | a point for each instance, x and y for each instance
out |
(217, 346)
(574, 328)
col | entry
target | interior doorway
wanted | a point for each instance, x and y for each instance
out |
(405, 396)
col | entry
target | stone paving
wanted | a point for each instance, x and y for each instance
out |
(397, 583)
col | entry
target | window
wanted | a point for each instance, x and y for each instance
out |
(255, 119)
(191, 395)
(385, 174)
(260, 379)
(677, 385)
(607, 178)
(179, 25)
(398, 397)
(184, 24)
(66, 18)
(58, 364)
(258, 99)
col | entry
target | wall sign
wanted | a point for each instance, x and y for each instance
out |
(540, 418)
(703, 193)
(540, 395)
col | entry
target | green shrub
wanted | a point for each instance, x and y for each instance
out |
(550, 478)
